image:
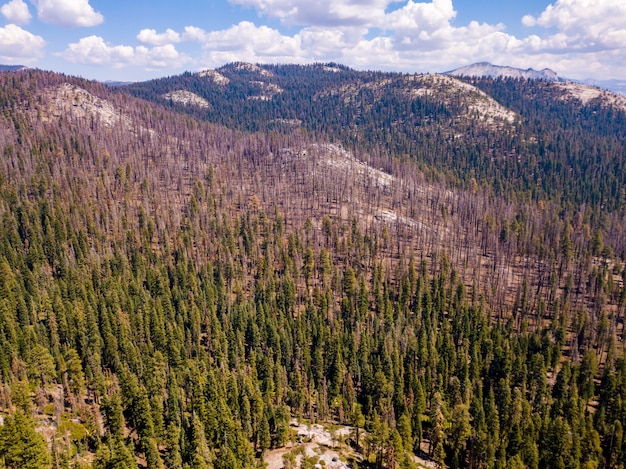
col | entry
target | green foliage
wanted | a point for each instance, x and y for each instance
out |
(21, 447)
(114, 455)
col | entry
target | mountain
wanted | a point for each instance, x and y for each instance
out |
(616, 86)
(272, 264)
(485, 69)
(113, 83)
(466, 129)
(266, 94)
(10, 68)
(586, 94)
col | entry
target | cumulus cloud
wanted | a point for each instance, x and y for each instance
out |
(246, 42)
(403, 35)
(331, 44)
(421, 16)
(591, 15)
(193, 33)
(359, 33)
(93, 50)
(388, 34)
(18, 46)
(321, 12)
(411, 34)
(16, 11)
(160, 56)
(424, 27)
(68, 13)
(151, 37)
(584, 25)
(262, 39)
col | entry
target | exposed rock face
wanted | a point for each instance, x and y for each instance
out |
(478, 103)
(485, 69)
(248, 67)
(587, 93)
(74, 101)
(187, 98)
(266, 91)
(216, 76)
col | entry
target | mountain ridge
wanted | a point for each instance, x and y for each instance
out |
(616, 86)
(11, 68)
(486, 69)
(398, 114)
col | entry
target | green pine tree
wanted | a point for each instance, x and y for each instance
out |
(21, 447)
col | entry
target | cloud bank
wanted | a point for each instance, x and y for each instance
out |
(93, 50)
(570, 36)
(576, 36)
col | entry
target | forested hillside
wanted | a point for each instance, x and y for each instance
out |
(522, 139)
(176, 287)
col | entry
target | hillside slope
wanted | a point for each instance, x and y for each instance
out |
(173, 291)
(518, 138)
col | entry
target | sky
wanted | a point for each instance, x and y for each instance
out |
(132, 40)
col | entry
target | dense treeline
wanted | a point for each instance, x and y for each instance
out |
(563, 141)
(174, 293)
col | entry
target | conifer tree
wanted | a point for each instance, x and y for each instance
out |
(21, 447)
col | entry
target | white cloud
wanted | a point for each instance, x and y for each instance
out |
(246, 42)
(18, 46)
(419, 28)
(369, 34)
(262, 39)
(584, 25)
(421, 16)
(324, 44)
(68, 13)
(416, 36)
(16, 11)
(580, 37)
(592, 15)
(411, 35)
(160, 56)
(93, 50)
(151, 37)
(322, 12)
(193, 33)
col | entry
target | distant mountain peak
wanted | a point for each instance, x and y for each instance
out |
(11, 68)
(616, 86)
(485, 69)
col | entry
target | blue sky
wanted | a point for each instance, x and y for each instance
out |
(142, 39)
